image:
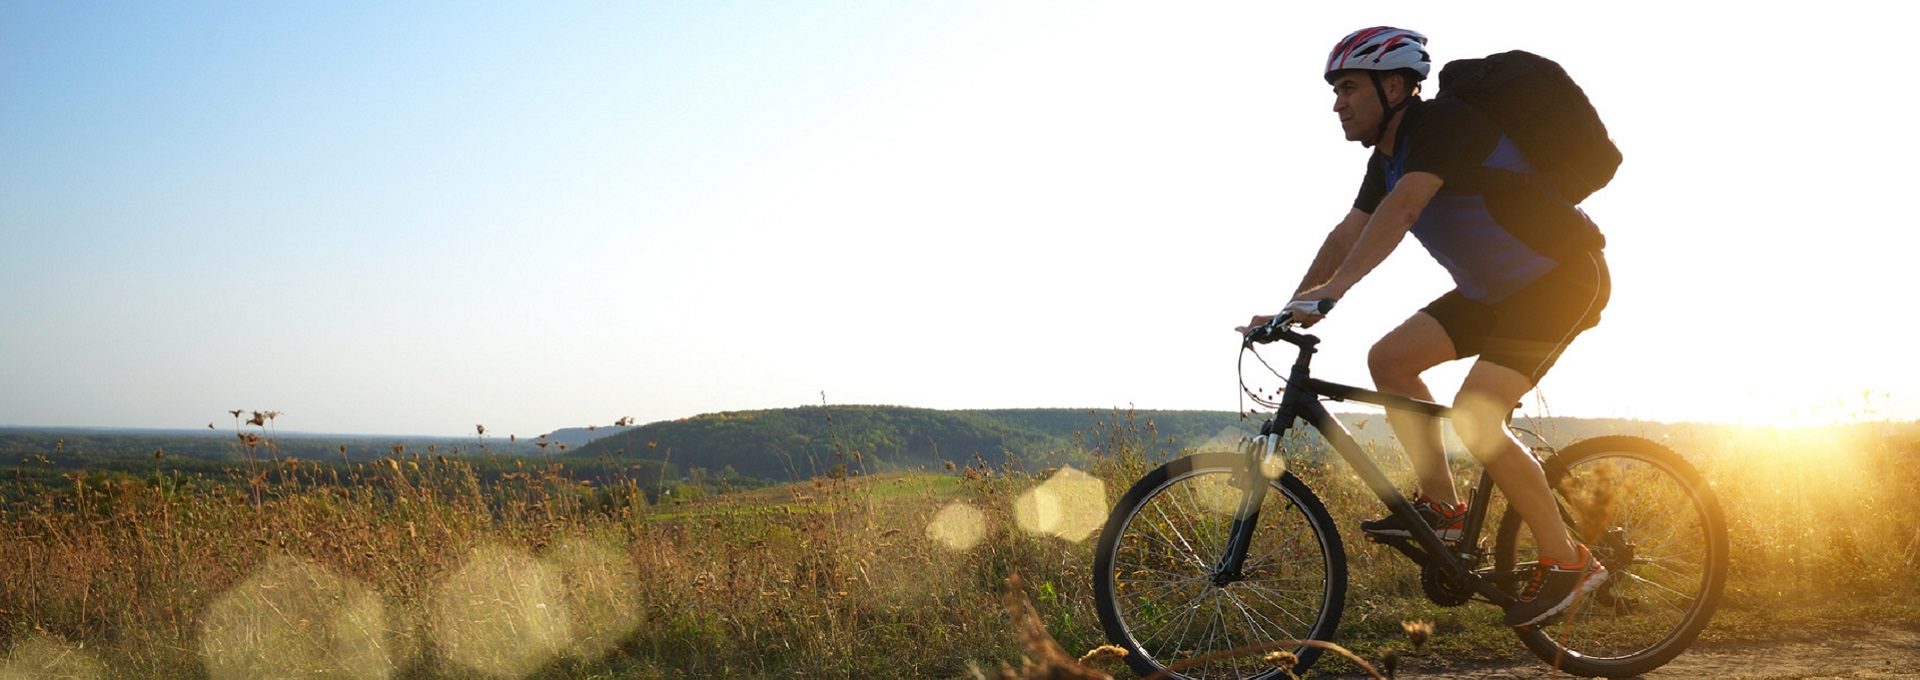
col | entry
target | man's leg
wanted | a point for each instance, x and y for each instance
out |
(1397, 361)
(1480, 417)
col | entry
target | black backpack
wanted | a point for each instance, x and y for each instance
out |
(1540, 108)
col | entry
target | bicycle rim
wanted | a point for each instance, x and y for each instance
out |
(1161, 560)
(1650, 518)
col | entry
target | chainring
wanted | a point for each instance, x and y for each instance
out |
(1441, 591)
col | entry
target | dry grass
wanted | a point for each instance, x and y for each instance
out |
(414, 567)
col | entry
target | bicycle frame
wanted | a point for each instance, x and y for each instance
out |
(1301, 402)
(1283, 579)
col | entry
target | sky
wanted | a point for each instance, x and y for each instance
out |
(415, 218)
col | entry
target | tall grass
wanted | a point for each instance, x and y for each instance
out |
(415, 566)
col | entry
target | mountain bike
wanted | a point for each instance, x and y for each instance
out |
(1210, 558)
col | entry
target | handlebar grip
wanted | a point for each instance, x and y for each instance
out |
(1271, 331)
(1320, 307)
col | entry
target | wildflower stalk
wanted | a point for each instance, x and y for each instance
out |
(1269, 646)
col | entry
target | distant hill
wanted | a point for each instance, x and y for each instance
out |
(797, 443)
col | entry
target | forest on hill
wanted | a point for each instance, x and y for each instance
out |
(797, 443)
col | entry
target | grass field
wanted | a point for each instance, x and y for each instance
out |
(413, 567)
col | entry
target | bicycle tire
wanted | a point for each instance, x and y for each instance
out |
(1656, 524)
(1153, 561)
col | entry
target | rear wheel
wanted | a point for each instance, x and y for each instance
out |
(1155, 586)
(1654, 522)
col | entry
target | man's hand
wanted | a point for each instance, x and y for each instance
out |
(1306, 312)
(1258, 321)
(1306, 305)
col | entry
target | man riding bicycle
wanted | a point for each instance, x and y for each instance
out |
(1529, 278)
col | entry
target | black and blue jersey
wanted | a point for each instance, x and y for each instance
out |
(1493, 243)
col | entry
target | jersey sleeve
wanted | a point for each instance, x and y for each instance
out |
(1448, 138)
(1373, 189)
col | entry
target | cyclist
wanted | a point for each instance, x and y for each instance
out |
(1529, 278)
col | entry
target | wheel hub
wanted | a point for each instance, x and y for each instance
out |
(1221, 578)
(1616, 552)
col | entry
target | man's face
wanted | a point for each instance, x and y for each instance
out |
(1357, 105)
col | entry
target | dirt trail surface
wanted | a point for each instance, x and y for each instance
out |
(1877, 652)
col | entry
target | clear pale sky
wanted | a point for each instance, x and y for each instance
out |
(411, 218)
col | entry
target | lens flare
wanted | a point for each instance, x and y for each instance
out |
(1227, 439)
(1071, 504)
(296, 618)
(503, 614)
(45, 657)
(601, 593)
(1212, 493)
(957, 526)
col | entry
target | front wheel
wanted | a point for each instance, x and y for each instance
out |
(1157, 590)
(1655, 524)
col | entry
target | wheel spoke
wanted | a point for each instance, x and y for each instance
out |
(1684, 598)
(1281, 605)
(1247, 614)
(1187, 547)
(1662, 565)
(1185, 615)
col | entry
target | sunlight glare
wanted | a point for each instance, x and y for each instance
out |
(602, 593)
(958, 526)
(1071, 504)
(294, 617)
(41, 656)
(1228, 439)
(503, 614)
(1214, 493)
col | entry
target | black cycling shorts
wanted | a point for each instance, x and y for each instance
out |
(1528, 331)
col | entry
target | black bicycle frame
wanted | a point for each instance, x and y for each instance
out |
(1301, 401)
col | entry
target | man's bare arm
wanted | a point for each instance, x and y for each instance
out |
(1383, 232)
(1334, 251)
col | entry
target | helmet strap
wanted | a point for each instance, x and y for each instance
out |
(1387, 111)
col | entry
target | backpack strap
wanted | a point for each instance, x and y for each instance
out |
(1485, 180)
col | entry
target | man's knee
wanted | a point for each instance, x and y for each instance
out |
(1481, 408)
(1398, 360)
(1389, 365)
(1417, 345)
(1482, 427)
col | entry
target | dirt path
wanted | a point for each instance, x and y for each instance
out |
(1884, 652)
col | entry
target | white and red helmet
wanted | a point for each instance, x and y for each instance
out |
(1381, 48)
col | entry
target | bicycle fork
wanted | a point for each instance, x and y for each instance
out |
(1262, 456)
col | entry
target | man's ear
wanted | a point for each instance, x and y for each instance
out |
(1400, 87)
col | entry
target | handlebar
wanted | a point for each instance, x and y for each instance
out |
(1276, 328)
